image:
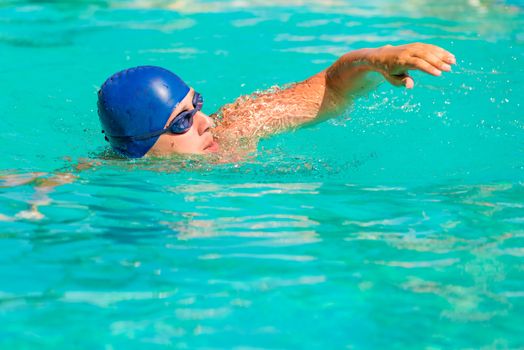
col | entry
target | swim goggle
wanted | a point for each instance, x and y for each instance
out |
(179, 125)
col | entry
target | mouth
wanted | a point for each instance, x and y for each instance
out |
(212, 146)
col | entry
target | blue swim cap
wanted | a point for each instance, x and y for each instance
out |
(135, 102)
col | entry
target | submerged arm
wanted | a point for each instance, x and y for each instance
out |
(327, 93)
(43, 184)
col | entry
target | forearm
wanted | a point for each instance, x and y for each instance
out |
(353, 73)
(350, 74)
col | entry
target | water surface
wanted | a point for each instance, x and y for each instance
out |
(398, 225)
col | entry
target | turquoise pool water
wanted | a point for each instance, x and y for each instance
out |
(398, 225)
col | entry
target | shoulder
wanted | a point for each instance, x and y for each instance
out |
(241, 117)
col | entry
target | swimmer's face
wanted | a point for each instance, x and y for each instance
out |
(197, 140)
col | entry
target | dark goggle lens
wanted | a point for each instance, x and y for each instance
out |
(198, 101)
(184, 120)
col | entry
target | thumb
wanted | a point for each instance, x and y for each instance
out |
(401, 80)
(409, 83)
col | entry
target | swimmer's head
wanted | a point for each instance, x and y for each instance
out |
(150, 110)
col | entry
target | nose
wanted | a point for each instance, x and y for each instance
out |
(204, 123)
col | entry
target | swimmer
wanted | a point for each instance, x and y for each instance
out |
(150, 111)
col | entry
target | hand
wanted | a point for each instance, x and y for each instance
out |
(395, 61)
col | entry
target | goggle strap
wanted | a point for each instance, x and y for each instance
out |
(141, 137)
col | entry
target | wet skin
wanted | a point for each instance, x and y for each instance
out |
(324, 95)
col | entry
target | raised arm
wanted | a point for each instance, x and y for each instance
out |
(325, 94)
(349, 74)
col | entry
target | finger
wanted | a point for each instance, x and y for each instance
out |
(409, 83)
(444, 55)
(449, 59)
(434, 61)
(395, 80)
(401, 80)
(424, 66)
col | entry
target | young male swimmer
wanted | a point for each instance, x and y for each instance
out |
(149, 111)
